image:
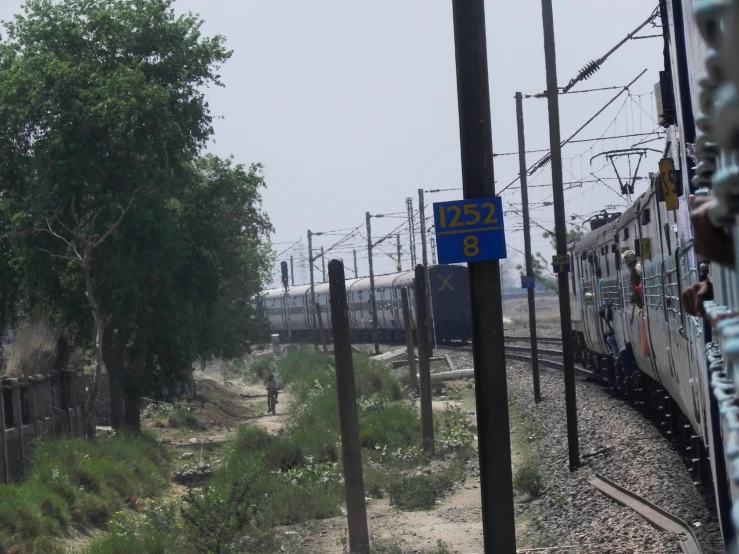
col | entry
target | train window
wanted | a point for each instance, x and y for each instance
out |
(637, 247)
(614, 248)
(645, 216)
(608, 267)
(626, 233)
(584, 256)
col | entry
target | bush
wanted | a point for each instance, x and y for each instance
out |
(528, 480)
(398, 425)
(33, 350)
(181, 418)
(420, 491)
(284, 455)
(249, 439)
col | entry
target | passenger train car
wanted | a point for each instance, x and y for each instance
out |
(290, 316)
(688, 377)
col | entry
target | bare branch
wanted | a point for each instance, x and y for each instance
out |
(59, 256)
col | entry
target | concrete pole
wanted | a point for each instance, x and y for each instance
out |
(527, 244)
(373, 301)
(409, 338)
(560, 229)
(351, 447)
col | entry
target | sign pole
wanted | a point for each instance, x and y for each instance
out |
(491, 390)
(527, 246)
(312, 290)
(560, 228)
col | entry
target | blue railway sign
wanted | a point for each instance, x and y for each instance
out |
(528, 282)
(470, 230)
(560, 264)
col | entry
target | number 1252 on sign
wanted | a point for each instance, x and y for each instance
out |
(470, 230)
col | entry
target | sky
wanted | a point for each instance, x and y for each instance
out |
(352, 107)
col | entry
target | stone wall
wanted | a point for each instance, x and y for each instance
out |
(50, 404)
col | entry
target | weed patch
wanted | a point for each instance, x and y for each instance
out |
(181, 418)
(421, 491)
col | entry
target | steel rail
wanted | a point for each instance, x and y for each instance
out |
(654, 514)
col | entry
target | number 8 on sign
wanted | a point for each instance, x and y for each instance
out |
(471, 248)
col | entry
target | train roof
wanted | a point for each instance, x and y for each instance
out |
(604, 235)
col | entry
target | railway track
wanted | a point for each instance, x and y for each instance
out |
(654, 514)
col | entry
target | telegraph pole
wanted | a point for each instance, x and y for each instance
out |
(372, 286)
(356, 273)
(323, 265)
(400, 267)
(527, 244)
(488, 344)
(292, 272)
(312, 288)
(560, 228)
(425, 260)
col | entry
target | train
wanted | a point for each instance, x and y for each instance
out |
(685, 365)
(661, 356)
(289, 315)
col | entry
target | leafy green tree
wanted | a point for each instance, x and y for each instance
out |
(103, 122)
(542, 274)
(573, 234)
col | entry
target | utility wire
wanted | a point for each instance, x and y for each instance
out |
(545, 159)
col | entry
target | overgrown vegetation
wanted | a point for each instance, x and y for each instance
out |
(267, 481)
(76, 483)
(34, 349)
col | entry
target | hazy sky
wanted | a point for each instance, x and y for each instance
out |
(352, 106)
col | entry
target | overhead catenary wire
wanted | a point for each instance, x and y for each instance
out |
(545, 159)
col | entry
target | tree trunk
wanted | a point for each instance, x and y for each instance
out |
(113, 357)
(135, 375)
(92, 394)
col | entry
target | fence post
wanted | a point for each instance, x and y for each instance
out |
(6, 472)
(32, 396)
(409, 338)
(18, 418)
(52, 403)
(422, 332)
(321, 327)
(351, 447)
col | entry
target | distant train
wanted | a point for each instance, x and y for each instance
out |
(290, 315)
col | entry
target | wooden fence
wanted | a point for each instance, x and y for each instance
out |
(29, 408)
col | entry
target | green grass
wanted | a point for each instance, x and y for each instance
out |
(79, 483)
(265, 482)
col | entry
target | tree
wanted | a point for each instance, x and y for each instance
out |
(573, 234)
(100, 101)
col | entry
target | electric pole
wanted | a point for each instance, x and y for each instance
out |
(433, 251)
(312, 289)
(373, 303)
(560, 228)
(323, 265)
(400, 267)
(486, 305)
(411, 230)
(425, 260)
(292, 272)
(356, 273)
(527, 244)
